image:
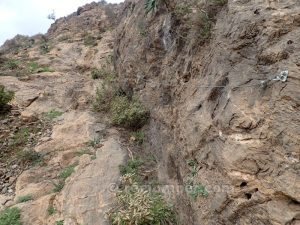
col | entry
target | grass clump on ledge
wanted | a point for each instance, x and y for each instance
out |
(24, 198)
(135, 205)
(64, 174)
(141, 207)
(10, 216)
(53, 114)
(67, 172)
(30, 156)
(34, 67)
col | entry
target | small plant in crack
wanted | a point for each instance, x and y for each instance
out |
(94, 143)
(84, 151)
(51, 210)
(64, 174)
(132, 166)
(152, 6)
(194, 189)
(53, 114)
(25, 198)
(67, 172)
(34, 67)
(21, 137)
(60, 222)
(58, 186)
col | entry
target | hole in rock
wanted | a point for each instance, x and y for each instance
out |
(243, 184)
(248, 195)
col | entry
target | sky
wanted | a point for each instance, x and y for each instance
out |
(29, 17)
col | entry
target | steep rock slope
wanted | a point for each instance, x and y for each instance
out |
(209, 85)
(80, 155)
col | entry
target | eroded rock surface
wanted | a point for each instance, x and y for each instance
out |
(208, 105)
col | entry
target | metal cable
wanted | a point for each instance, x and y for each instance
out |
(281, 77)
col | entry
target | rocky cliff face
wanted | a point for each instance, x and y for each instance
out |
(202, 80)
(207, 70)
(52, 164)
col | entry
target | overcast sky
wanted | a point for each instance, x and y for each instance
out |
(29, 17)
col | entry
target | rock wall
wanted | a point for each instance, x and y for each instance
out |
(213, 100)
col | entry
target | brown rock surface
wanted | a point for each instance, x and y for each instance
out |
(244, 135)
(208, 83)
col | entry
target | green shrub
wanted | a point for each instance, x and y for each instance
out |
(5, 97)
(32, 67)
(45, 48)
(25, 198)
(129, 114)
(104, 96)
(205, 26)
(30, 156)
(96, 74)
(10, 216)
(12, 64)
(138, 137)
(90, 41)
(94, 142)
